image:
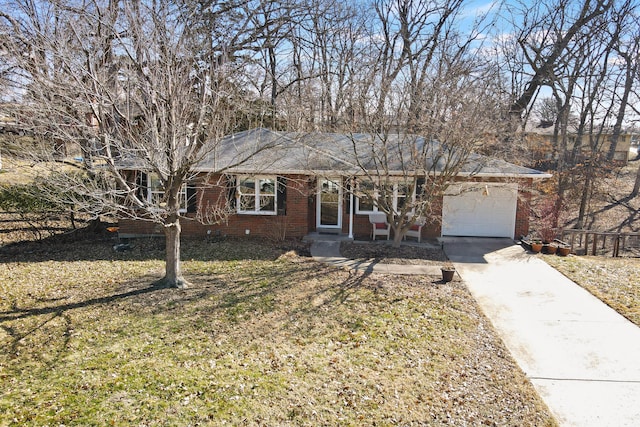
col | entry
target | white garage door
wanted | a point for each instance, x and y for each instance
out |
(480, 210)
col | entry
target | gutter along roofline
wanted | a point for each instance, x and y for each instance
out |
(359, 172)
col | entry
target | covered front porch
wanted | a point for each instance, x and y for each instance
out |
(326, 248)
(337, 210)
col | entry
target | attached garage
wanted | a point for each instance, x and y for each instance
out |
(480, 210)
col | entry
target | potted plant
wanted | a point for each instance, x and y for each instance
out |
(550, 248)
(532, 244)
(536, 245)
(564, 250)
(448, 270)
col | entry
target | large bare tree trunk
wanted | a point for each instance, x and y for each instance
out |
(542, 64)
(584, 201)
(173, 273)
(397, 238)
(617, 127)
(636, 186)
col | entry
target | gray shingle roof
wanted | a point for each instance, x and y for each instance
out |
(294, 152)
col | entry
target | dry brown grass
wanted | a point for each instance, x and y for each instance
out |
(616, 281)
(264, 337)
(18, 171)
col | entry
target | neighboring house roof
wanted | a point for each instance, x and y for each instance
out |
(547, 128)
(297, 152)
(541, 137)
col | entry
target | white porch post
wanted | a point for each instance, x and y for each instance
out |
(351, 208)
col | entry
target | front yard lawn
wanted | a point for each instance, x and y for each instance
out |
(264, 337)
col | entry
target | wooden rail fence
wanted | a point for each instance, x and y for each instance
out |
(589, 242)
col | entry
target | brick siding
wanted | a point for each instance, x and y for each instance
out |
(294, 224)
(300, 217)
(523, 209)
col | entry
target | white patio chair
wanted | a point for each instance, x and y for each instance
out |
(379, 225)
(416, 229)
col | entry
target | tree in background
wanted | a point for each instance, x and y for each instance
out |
(545, 35)
(575, 51)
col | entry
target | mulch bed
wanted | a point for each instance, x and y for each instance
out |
(384, 253)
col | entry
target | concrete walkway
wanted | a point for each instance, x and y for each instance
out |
(327, 250)
(582, 357)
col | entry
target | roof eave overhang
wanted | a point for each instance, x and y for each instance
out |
(338, 172)
(507, 175)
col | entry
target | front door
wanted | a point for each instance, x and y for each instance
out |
(329, 212)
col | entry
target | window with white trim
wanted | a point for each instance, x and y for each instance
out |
(155, 192)
(401, 196)
(367, 194)
(257, 195)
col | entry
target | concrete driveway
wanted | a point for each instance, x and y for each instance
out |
(582, 357)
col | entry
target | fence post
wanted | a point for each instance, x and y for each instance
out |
(580, 240)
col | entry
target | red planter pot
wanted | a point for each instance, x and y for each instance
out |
(536, 247)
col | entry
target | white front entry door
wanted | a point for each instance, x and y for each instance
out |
(329, 205)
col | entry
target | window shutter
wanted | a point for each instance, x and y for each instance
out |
(231, 191)
(192, 197)
(282, 195)
(142, 185)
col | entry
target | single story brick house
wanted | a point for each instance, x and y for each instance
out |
(301, 184)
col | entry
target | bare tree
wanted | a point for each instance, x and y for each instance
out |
(546, 33)
(596, 103)
(547, 111)
(324, 47)
(428, 101)
(628, 50)
(139, 86)
(576, 49)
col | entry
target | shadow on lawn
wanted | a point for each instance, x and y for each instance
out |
(51, 326)
(53, 323)
(205, 285)
(269, 299)
(17, 313)
(236, 293)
